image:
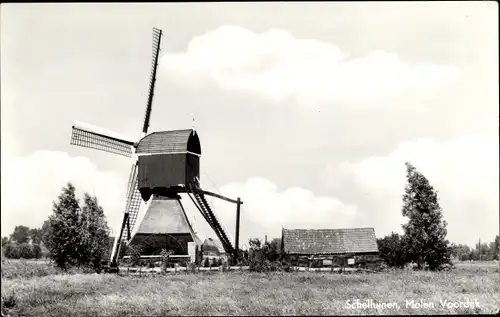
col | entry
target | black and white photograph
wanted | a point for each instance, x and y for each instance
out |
(249, 158)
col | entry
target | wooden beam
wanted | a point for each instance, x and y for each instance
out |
(220, 196)
(237, 238)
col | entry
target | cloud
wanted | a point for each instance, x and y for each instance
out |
(280, 67)
(30, 184)
(464, 171)
(266, 209)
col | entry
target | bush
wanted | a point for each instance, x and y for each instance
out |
(214, 262)
(206, 263)
(12, 251)
(265, 266)
(36, 251)
(25, 251)
(392, 250)
(151, 264)
(135, 255)
(266, 258)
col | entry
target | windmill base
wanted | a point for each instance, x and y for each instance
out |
(165, 226)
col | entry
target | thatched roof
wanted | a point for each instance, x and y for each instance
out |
(330, 241)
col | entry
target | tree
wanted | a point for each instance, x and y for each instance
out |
(36, 251)
(63, 232)
(21, 234)
(425, 232)
(45, 230)
(272, 250)
(392, 250)
(5, 241)
(94, 233)
(36, 235)
(461, 251)
(254, 243)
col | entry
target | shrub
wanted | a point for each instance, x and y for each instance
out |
(36, 251)
(25, 251)
(392, 250)
(214, 262)
(8, 302)
(206, 263)
(12, 251)
(135, 255)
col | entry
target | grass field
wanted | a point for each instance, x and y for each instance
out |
(45, 293)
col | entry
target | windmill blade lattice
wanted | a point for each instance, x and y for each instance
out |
(152, 80)
(100, 142)
(134, 200)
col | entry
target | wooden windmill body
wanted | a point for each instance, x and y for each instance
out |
(164, 164)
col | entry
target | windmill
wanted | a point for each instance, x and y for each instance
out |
(164, 164)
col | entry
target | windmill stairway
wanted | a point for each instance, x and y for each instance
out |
(204, 207)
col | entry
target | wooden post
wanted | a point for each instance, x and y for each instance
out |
(237, 238)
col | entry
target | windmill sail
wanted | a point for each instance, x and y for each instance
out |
(152, 80)
(86, 135)
(134, 199)
(129, 217)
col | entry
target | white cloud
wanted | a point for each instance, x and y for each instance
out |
(266, 210)
(464, 171)
(279, 66)
(30, 184)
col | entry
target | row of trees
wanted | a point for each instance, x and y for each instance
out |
(481, 252)
(23, 243)
(73, 235)
(22, 251)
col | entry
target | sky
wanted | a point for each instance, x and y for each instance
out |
(307, 111)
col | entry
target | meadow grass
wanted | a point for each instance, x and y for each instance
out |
(247, 293)
(27, 268)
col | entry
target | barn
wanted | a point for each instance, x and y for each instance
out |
(329, 244)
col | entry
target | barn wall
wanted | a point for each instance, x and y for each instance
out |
(163, 170)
